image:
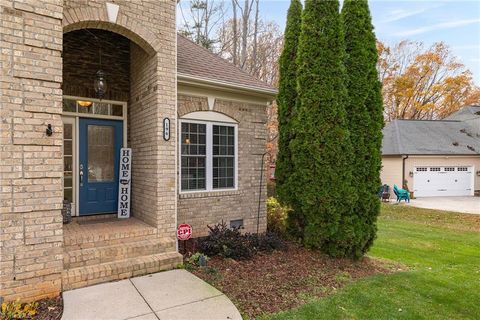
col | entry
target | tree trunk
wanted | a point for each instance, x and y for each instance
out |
(235, 32)
(253, 67)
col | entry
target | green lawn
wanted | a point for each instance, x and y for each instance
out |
(441, 251)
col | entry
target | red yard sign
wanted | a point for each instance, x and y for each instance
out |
(184, 232)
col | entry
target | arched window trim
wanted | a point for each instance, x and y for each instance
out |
(208, 116)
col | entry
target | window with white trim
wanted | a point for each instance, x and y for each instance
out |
(194, 154)
(208, 155)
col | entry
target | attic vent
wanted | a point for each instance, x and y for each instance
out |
(455, 143)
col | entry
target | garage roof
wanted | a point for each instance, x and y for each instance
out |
(198, 62)
(429, 137)
(466, 113)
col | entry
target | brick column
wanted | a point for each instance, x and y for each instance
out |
(31, 167)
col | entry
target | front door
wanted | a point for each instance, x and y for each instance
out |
(100, 143)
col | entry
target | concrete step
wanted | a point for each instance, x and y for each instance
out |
(74, 258)
(121, 269)
(104, 234)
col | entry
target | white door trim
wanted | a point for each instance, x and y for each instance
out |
(74, 119)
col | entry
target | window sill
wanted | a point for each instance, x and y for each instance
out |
(207, 194)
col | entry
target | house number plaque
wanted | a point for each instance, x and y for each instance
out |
(166, 129)
(124, 183)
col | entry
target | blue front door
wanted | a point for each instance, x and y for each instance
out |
(100, 143)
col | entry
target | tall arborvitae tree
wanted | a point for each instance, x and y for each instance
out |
(321, 149)
(286, 101)
(365, 117)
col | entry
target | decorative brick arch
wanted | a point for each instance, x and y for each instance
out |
(96, 18)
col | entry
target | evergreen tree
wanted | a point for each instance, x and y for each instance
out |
(286, 101)
(365, 118)
(321, 149)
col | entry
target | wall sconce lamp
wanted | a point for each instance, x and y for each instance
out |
(410, 173)
(49, 130)
(478, 173)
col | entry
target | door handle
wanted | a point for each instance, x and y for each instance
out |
(81, 175)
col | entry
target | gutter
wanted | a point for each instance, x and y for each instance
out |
(209, 83)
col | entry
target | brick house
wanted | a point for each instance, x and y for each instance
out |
(203, 170)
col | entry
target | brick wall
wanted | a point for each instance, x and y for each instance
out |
(31, 167)
(31, 162)
(81, 61)
(208, 208)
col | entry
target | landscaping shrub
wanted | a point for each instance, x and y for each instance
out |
(276, 216)
(225, 242)
(321, 148)
(231, 243)
(286, 101)
(265, 242)
(365, 120)
(17, 310)
(195, 259)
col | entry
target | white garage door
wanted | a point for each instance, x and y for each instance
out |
(443, 181)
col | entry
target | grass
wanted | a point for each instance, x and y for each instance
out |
(441, 252)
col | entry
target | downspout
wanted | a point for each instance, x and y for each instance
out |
(404, 185)
(260, 191)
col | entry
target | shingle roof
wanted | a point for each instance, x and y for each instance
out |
(196, 61)
(466, 113)
(434, 137)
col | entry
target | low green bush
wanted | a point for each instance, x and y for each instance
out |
(195, 258)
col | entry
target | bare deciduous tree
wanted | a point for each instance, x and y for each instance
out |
(201, 20)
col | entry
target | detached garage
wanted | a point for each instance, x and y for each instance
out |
(433, 158)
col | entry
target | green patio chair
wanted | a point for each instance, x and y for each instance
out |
(401, 194)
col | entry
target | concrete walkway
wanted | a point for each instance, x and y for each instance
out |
(455, 204)
(175, 294)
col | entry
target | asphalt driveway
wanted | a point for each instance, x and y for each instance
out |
(456, 204)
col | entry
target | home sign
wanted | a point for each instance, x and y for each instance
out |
(124, 183)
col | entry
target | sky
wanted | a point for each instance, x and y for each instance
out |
(455, 22)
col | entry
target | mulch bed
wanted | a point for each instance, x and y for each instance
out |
(282, 280)
(50, 309)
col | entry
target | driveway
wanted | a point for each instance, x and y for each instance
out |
(456, 204)
(175, 294)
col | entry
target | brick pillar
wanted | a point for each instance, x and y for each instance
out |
(31, 165)
(152, 99)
